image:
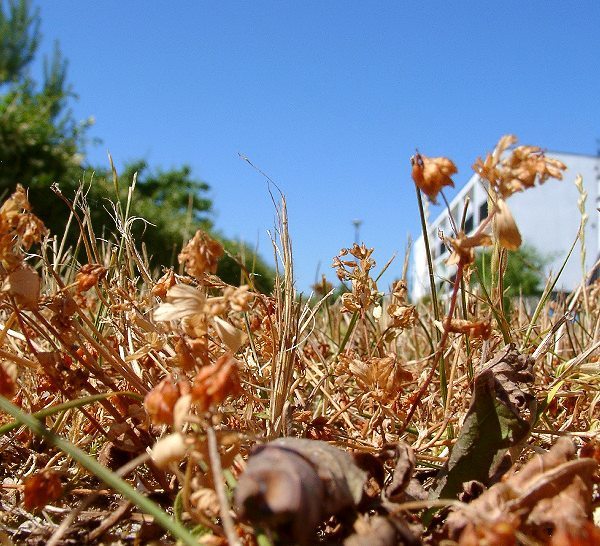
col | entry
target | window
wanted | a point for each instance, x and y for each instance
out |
(483, 211)
(469, 224)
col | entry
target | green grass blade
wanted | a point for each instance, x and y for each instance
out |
(102, 473)
(80, 402)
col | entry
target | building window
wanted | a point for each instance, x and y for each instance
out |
(469, 224)
(483, 211)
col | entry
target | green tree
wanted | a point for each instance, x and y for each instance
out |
(524, 273)
(41, 143)
(19, 39)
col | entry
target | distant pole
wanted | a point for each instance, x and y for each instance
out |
(357, 223)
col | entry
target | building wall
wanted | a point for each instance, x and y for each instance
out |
(547, 216)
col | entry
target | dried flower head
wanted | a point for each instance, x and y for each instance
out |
(520, 170)
(216, 382)
(402, 314)
(382, 377)
(160, 401)
(201, 255)
(89, 275)
(238, 297)
(19, 228)
(431, 174)
(163, 284)
(364, 289)
(463, 247)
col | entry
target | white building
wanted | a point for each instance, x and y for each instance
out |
(547, 216)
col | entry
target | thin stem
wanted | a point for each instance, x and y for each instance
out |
(440, 351)
(436, 311)
(217, 472)
(101, 472)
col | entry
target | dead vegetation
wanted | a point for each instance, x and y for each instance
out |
(139, 408)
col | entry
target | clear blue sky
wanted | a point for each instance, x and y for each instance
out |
(329, 98)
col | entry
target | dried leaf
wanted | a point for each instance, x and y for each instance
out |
(403, 471)
(231, 336)
(551, 492)
(41, 488)
(24, 285)
(499, 417)
(299, 483)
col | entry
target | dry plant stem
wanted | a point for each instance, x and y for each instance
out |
(436, 311)
(440, 349)
(86, 243)
(287, 319)
(217, 472)
(72, 516)
(104, 474)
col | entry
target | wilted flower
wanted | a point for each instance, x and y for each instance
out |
(201, 255)
(216, 382)
(169, 449)
(238, 297)
(505, 228)
(163, 284)
(160, 401)
(182, 301)
(231, 336)
(525, 166)
(402, 314)
(474, 328)
(382, 377)
(463, 247)
(7, 379)
(89, 275)
(431, 174)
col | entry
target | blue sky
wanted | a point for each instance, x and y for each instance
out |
(330, 99)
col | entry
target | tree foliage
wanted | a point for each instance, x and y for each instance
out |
(524, 273)
(41, 143)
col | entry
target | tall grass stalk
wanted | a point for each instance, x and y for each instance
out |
(101, 472)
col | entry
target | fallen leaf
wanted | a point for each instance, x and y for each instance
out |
(552, 492)
(41, 488)
(499, 417)
(381, 531)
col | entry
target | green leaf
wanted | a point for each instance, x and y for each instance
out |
(499, 418)
(107, 476)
